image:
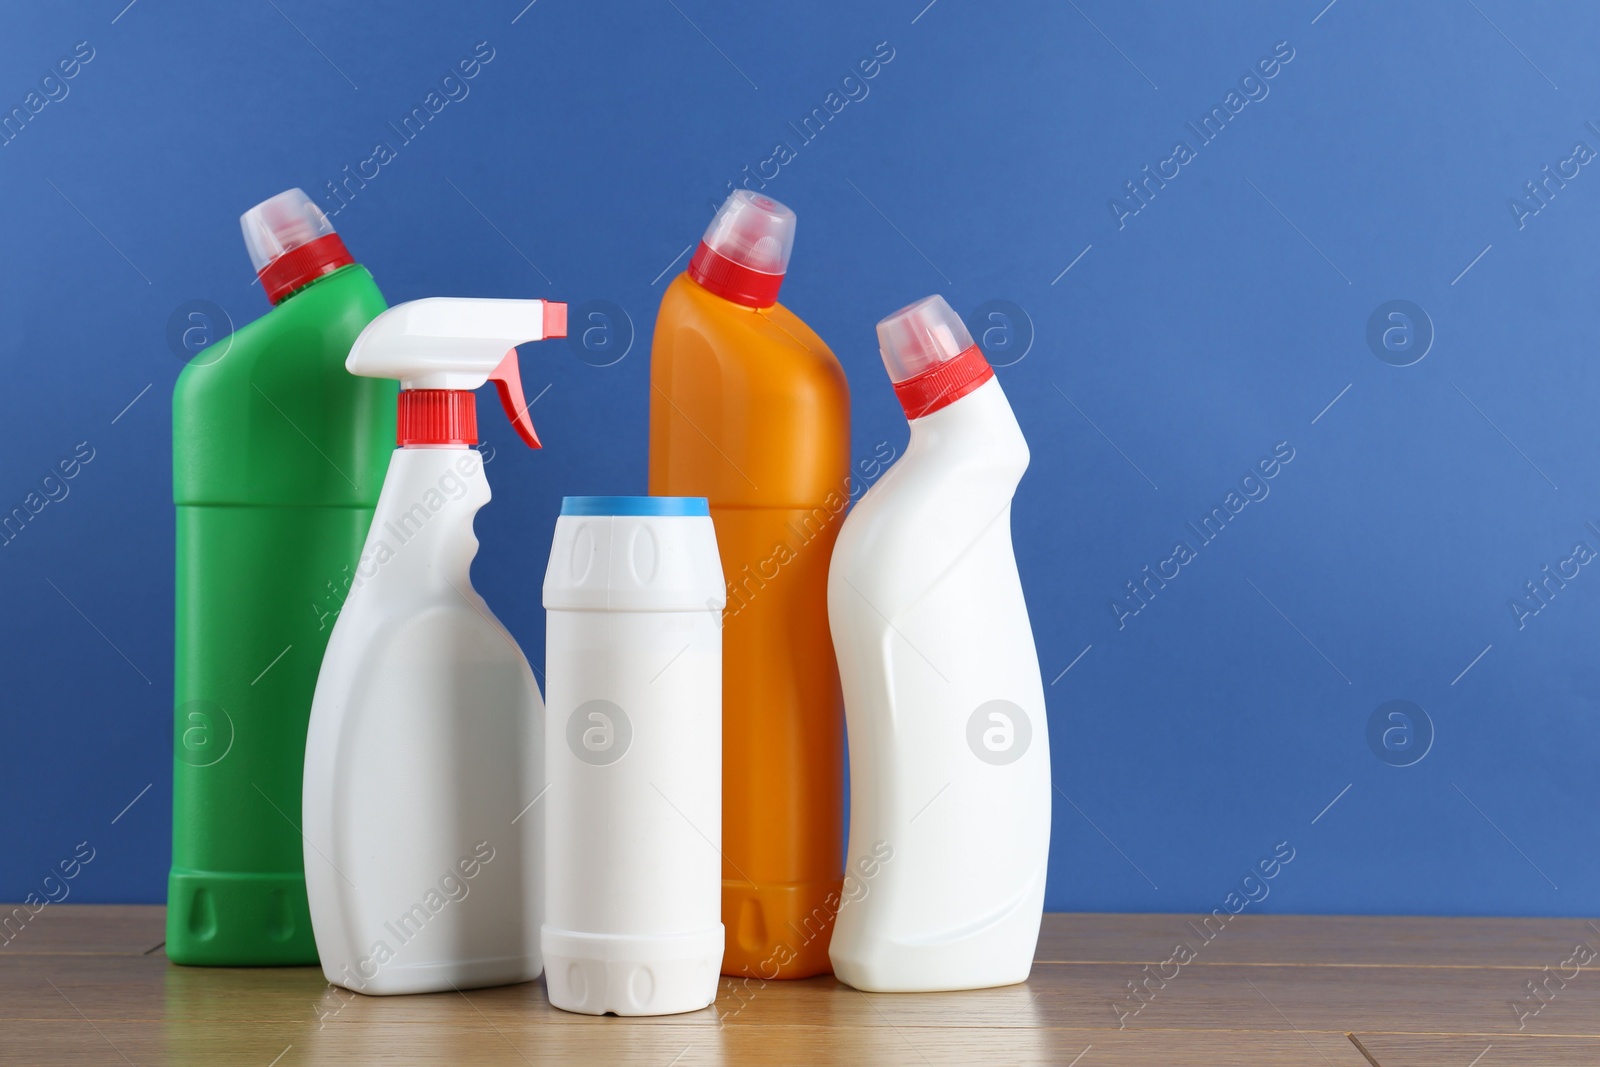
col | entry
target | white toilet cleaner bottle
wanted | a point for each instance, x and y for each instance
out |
(425, 751)
(949, 751)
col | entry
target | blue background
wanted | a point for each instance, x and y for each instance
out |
(1221, 319)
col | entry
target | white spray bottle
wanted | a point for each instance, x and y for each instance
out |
(949, 752)
(425, 751)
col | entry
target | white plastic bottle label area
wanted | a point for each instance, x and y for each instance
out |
(418, 757)
(633, 741)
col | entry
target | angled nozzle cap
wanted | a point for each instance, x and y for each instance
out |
(291, 243)
(745, 250)
(930, 356)
(754, 231)
(920, 336)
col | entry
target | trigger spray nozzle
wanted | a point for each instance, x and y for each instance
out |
(441, 349)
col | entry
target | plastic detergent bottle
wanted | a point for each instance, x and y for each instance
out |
(749, 409)
(949, 750)
(277, 456)
(633, 746)
(424, 757)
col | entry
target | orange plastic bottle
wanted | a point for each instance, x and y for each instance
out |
(750, 409)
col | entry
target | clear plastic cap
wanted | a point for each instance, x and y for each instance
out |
(753, 231)
(920, 336)
(282, 224)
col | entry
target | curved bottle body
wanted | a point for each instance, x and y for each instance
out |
(422, 844)
(278, 457)
(633, 742)
(750, 409)
(949, 748)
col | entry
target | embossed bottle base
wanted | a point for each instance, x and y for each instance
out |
(778, 930)
(599, 974)
(232, 919)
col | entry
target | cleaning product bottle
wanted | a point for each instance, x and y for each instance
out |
(277, 456)
(949, 751)
(749, 409)
(633, 750)
(424, 757)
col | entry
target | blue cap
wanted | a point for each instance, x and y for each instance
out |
(635, 505)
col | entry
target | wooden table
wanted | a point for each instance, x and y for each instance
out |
(90, 984)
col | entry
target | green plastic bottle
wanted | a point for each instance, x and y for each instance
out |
(278, 454)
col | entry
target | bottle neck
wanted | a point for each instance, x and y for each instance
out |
(437, 418)
(718, 274)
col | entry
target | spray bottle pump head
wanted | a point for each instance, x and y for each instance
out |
(442, 348)
(291, 243)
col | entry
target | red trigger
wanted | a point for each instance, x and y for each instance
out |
(507, 379)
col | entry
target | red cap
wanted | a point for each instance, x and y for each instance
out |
(943, 383)
(299, 267)
(729, 280)
(437, 417)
